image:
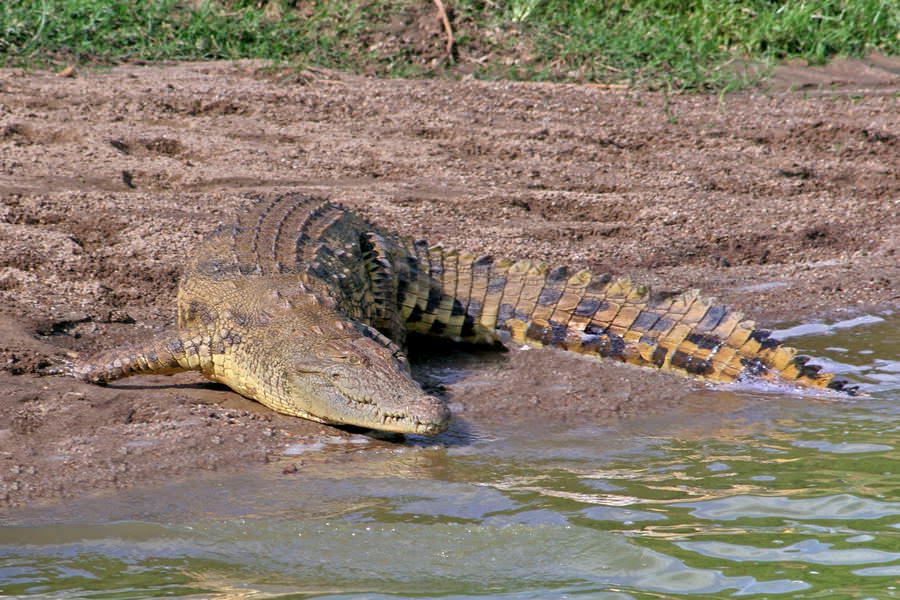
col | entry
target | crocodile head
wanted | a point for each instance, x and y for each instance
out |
(356, 376)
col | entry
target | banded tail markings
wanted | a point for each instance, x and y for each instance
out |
(403, 265)
(409, 274)
(463, 291)
(407, 267)
(435, 319)
(572, 295)
(591, 302)
(498, 281)
(549, 294)
(595, 315)
(612, 297)
(428, 292)
(685, 342)
(683, 333)
(515, 283)
(449, 276)
(412, 277)
(418, 287)
(635, 299)
(482, 267)
(317, 227)
(380, 295)
(532, 285)
(513, 276)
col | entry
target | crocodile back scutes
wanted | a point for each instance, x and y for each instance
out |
(290, 235)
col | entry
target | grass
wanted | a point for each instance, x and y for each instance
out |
(692, 43)
(674, 44)
(111, 31)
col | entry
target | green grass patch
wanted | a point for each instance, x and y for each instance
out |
(112, 31)
(657, 43)
(691, 44)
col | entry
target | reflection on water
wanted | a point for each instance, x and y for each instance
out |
(747, 492)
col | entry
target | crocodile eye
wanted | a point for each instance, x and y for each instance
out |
(401, 356)
(347, 358)
(339, 354)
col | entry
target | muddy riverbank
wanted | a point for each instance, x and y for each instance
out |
(783, 204)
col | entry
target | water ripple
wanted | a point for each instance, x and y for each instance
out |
(808, 551)
(841, 447)
(733, 494)
(839, 506)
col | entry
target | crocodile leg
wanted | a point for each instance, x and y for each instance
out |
(169, 352)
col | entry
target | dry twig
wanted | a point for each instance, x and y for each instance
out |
(442, 13)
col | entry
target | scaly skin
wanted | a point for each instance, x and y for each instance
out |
(305, 308)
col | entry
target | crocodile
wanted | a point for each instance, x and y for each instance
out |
(305, 307)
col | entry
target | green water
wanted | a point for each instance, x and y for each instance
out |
(747, 492)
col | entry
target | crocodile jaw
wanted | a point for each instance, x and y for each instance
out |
(425, 415)
(404, 408)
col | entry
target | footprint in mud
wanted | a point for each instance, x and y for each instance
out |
(25, 134)
(165, 146)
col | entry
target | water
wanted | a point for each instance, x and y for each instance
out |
(757, 493)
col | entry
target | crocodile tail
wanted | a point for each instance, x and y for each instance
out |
(468, 298)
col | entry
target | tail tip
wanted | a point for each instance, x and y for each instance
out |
(844, 386)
